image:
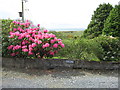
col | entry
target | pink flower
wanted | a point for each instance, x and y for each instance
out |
(27, 20)
(36, 40)
(20, 37)
(23, 43)
(55, 39)
(39, 32)
(23, 31)
(12, 54)
(43, 46)
(39, 42)
(18, 28)
(32, 25)
(10, 47)
(24, 46)
(35, 29)
(17, 33)
(29, 31)
(59, 40)
(16, 47)
(27, 36)
(55, 45)
(24, 34)
(26, 25)
(51, 53)
(46, 45)
(11, 36)
(39, 37)
(14, 22)
(30, 48)
(17, 22)
(33, 45)
(33, 35)
(45, 31)
(46, 37)
(38, 25)
(25, 50)
(62, 45)
(31, 39)
(22, 23)
(52, 41)
(52, 35)
(30, 53)
(14, 29)
(12, 33)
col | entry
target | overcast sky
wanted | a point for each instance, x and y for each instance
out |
(54, 13)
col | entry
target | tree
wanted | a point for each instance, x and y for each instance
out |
(112, 24)
(96, 25)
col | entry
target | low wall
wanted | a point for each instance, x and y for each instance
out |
(57, 63)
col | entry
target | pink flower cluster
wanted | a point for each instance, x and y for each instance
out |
(32, 41)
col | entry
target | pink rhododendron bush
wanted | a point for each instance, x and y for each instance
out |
(31, 42)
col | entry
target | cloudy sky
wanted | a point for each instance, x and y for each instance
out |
(54, 13)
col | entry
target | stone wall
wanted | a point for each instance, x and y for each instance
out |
(57, 63)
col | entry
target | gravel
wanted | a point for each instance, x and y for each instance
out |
(59, 78)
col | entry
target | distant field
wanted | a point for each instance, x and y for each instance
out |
(72, 32)
(67, 34)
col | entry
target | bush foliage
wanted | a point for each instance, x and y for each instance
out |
(111, 47)
(102, 48)
(6, 25)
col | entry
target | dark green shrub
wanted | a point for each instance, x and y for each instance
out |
(90, 50)
(102, 48)
(65, 52)
(83, 49)
(111, 47)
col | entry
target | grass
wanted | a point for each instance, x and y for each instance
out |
(59, 57)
